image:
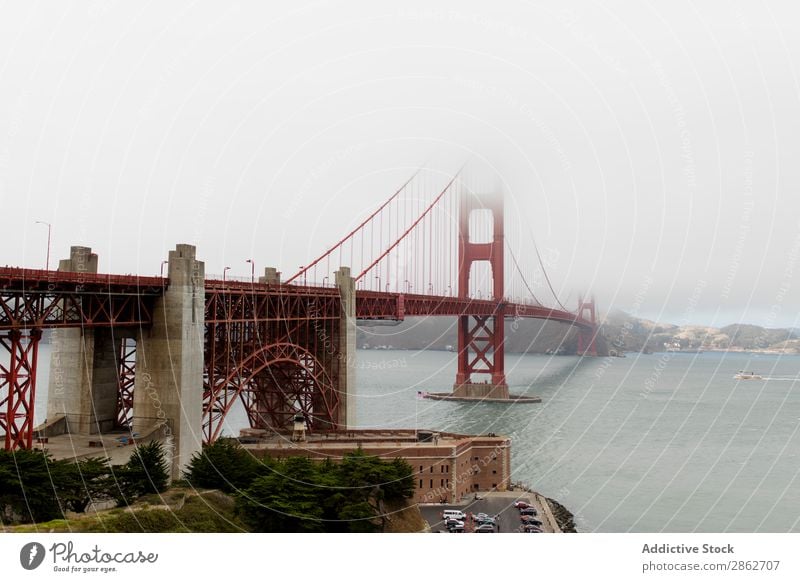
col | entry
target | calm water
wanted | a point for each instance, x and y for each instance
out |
(664, 442)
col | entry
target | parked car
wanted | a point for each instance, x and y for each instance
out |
(531, 529)
(528, 520)
(454, 514)
(456, 529)
(452, 522)
(521, 504)
(528, 511)
(484, 528)
(490, 520)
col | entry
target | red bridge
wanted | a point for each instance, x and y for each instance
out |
(175, 353)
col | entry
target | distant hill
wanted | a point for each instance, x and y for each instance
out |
(632, 334)
(619, 332)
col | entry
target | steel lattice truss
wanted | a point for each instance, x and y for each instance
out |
(277, 350)
(397, 306)
(18, 387)
(126, 375)
(31, 299)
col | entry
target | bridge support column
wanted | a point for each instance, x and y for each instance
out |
(272, 276)
(83, 385)
(481, 339)
(347, 349)
(168, 393)
(587, 339)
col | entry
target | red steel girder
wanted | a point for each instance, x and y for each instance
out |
(395, 306)
(275, 383)
(126, 376)
(230, 303)
(18, 387)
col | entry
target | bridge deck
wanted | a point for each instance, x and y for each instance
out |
(38, 298)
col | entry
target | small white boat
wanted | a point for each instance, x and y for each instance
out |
(742, 375)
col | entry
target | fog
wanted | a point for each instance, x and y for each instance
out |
(649, 148)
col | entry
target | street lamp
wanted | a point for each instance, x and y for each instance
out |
(378, 277)
(252, 270)
(225, 272)
(324, 280)
(49, 229)
(162, 268)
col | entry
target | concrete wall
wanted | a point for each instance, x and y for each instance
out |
(347, 349)
(168, 390)
(83, 375)
(472, 390)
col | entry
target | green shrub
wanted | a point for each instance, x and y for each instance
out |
(27, 493)
(301, 495)
(224, 465)
(145, 472)
(80, 483)
(288, 499)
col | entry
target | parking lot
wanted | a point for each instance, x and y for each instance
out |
(492, 504)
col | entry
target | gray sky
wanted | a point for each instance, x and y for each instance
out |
(650, 148)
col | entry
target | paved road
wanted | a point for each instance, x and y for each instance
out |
(491, 504)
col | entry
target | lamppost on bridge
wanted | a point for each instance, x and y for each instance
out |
(449, 290)
(378, 278)
(324, 280)
(225, 272)
(305, 282)
(49, 230)
(252, 270)
(162, 267)
(408, 286)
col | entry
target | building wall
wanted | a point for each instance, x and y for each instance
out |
(447, 471)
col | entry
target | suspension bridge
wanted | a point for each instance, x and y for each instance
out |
(175, 353)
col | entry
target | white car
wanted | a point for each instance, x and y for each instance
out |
(453, 514)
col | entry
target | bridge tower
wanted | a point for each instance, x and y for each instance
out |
(587, 339)
(481, 356)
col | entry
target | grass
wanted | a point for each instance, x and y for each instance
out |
(185, 510)
(188, 511)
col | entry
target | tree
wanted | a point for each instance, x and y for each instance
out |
(399, 482)
(145, 472)
(26, 487)
(80, 483)
(224, 465)
(288, 499)
(359, 517)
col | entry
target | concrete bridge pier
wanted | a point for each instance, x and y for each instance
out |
(168, 392)
(347, 348)
(83, 385)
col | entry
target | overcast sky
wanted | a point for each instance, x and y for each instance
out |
(650, 148)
